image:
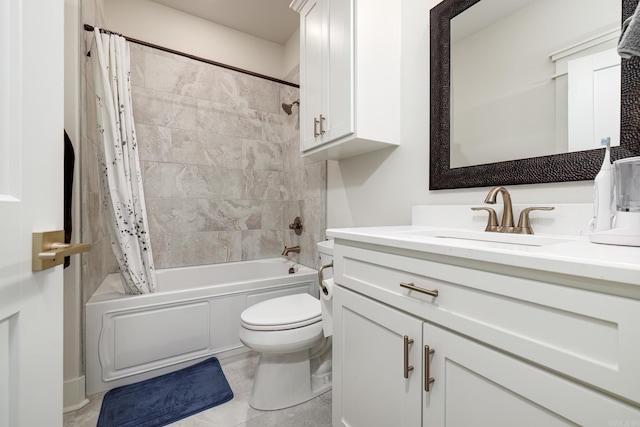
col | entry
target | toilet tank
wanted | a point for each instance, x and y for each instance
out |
(325, 252)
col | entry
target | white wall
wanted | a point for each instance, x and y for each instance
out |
(163, 26)
(380, 188)
(291, 58)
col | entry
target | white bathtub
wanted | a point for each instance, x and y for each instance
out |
(195, 314)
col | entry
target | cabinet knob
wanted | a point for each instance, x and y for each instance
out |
(315, 127)
(321, 121)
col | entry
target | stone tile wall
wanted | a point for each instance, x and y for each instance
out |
(222, 171)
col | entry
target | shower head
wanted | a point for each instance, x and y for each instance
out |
(288, 107)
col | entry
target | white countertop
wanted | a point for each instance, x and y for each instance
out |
(576, 257)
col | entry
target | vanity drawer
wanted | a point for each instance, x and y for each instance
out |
(589, 336)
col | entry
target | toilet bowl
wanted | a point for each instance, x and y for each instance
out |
(295, 355)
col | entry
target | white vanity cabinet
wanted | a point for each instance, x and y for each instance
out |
(349, 76)
(475, 384)
(369, 343)
(511, 346)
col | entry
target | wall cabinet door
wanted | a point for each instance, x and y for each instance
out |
(326, 72)
(369, 384)
(477, 385)
(339, 79)
(349, 76)
(313, 41)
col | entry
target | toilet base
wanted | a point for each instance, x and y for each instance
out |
(284, 380)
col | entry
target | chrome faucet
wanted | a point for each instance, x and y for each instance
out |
(287, 250)
(506, 224)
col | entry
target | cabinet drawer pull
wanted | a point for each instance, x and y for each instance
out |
(407, 368)
(315, 127)
(321, 120)
(433, 293)
(427, 368)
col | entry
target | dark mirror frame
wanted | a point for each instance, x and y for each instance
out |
(575, 166)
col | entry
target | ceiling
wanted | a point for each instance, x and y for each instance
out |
(267, 19)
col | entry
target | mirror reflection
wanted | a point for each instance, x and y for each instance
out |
(531, 78)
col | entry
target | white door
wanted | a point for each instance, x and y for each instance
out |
(31, 199)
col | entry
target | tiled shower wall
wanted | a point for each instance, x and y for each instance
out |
(221, 166)
(222, 171)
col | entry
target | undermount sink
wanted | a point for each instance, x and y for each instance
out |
(484, 236)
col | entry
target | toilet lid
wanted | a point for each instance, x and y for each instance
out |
(288, 312)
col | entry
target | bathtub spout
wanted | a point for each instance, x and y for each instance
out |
(287, 250)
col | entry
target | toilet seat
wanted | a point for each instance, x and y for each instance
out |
(277, 314)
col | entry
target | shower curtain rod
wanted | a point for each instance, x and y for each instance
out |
(88, 27)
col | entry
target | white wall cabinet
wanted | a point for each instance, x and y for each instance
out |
(507, 350)
(349, 76)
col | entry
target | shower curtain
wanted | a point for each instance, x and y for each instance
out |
(123, 196)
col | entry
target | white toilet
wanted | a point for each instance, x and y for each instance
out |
(295, 359)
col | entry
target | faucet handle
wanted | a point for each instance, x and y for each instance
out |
(524, 225)
(492, 223)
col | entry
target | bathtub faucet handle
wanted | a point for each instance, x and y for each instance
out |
(296, 226)
(287, 250)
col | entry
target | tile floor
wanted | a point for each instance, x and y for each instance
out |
(239, 371)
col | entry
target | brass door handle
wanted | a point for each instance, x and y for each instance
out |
(47, 251)
(433, 293)
(64, 250)
(427, 368)
(407, 367)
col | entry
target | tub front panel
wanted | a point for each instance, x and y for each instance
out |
(163, 333)
(130, 339)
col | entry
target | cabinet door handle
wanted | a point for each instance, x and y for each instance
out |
(315, 127)
(433, 293)
(321, 120)
(407, 368)
(427, 368)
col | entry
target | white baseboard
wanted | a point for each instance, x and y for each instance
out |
(74, 396)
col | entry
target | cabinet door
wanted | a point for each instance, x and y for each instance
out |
(476, 385)
(313, 39)
(339, 107)
(369, 387)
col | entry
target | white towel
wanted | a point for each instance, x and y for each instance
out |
(629, 44)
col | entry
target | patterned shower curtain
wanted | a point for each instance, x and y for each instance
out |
(123, 196)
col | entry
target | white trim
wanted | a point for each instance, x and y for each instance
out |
(74, 396)
(586, 44)
(297, 5)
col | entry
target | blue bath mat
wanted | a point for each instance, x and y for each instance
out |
(165, 399)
